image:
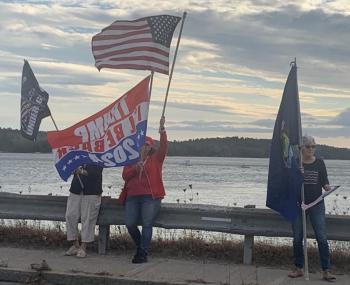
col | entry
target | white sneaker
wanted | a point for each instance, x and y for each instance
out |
(73, 250)
(81, 253)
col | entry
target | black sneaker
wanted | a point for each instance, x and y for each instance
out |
(140, 256)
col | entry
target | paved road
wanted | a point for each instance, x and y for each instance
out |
(117, 269)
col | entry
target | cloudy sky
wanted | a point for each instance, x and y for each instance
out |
(230, 73)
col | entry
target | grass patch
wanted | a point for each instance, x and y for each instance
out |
(178, 244)
(24, 234)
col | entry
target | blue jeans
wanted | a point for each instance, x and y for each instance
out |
(318, 221)
(142, 210)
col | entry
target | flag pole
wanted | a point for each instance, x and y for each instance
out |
(151, 84)
(53, 121)
(172, 67)
(306, 260)
(81, 182)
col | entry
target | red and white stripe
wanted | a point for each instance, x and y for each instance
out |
(129, 45)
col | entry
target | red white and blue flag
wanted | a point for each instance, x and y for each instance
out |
(141, 44)
(112, 137)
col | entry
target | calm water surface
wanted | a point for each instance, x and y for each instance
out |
(217, 181)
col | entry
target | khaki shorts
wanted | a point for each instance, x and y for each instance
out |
(84, 208)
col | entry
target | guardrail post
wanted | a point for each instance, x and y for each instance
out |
(248, 249)
(103, 238)
(248, 245)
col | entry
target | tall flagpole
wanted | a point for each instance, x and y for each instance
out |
(306, 261)
(53, 121)
(151, 84)
(81, 182)
(172, 67)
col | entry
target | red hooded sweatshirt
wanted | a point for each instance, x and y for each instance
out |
(152, 170)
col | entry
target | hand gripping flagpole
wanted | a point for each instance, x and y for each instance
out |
(306, 262)
(81, 182)
(172, 67)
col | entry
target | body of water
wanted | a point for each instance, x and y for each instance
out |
(198, 180)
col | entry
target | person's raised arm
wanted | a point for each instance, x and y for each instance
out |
(163, 148)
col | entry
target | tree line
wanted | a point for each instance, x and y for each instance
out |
(12, 141)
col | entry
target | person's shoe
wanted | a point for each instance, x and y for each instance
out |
(139, 259)
(327, 276)
(137, 254)
(297, 272)
(81, 253)
(140, 256)
(73, 250)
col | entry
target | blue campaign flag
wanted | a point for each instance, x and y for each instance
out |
(285, 178)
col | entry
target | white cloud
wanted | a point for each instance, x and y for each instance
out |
(232, 63)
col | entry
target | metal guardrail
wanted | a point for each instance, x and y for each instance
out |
(249, 222)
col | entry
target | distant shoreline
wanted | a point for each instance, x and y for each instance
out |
(184, 156)
(13, 142)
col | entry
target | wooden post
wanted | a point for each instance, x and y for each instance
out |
(103, 238)
(248, 249)
(248, 245)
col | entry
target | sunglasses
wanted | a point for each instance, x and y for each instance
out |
(310, 146)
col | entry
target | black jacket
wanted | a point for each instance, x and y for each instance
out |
(92, 182)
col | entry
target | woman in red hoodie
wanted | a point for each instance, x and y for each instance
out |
(144, 192)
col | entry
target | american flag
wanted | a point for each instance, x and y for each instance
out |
(142, 44)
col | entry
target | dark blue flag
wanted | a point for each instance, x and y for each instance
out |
(285, 178)
(33, 103)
